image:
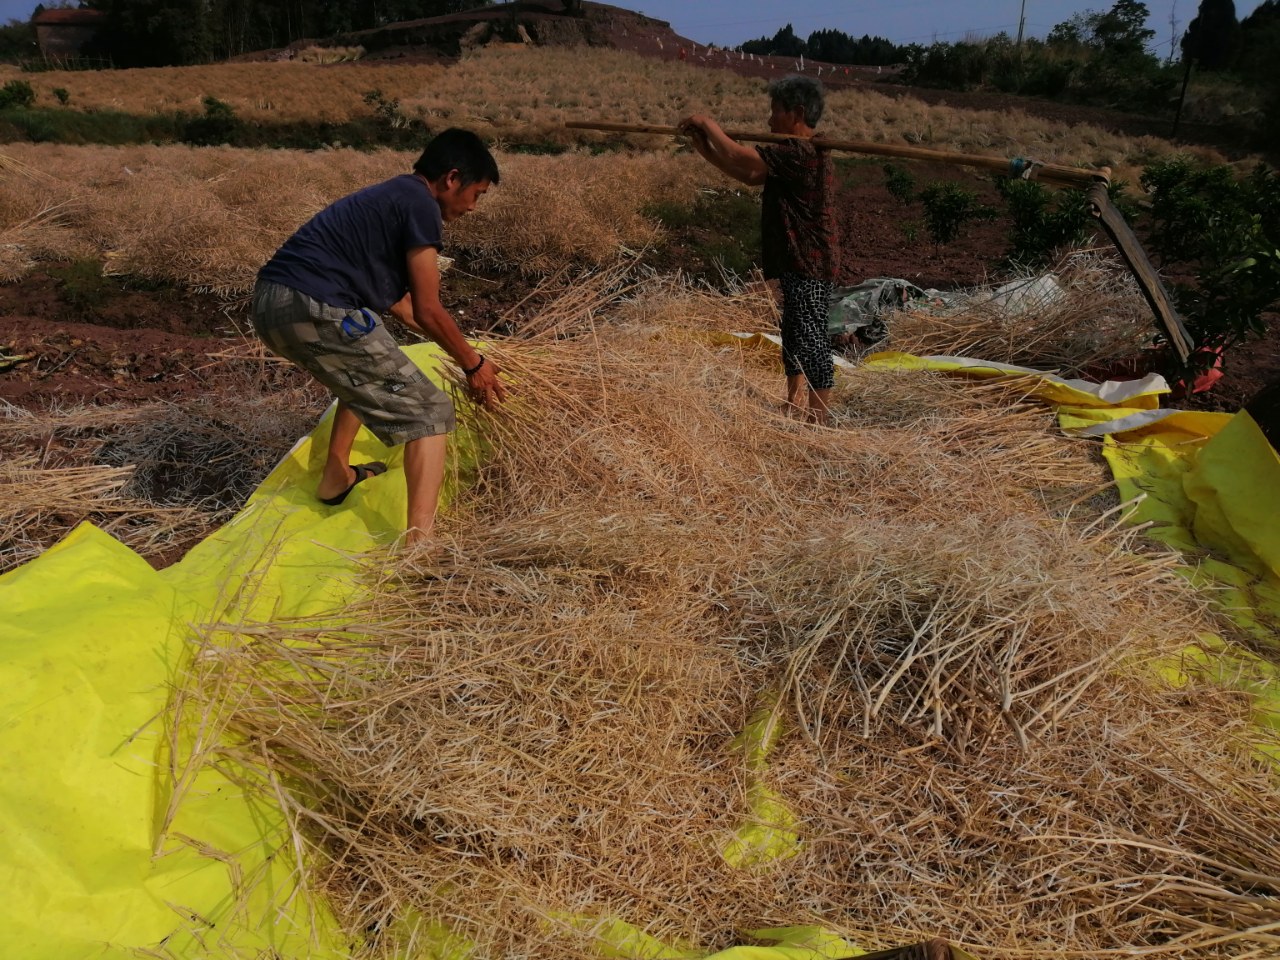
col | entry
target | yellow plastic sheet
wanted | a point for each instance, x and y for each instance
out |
(771, 830)
(1215, 495)
(102, 853)
(93, 640)
(1141, 394)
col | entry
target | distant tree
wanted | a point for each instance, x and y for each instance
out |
(1069, 33)
(1212, 39)
(1256, 64)
(154, 33)
(832, 46)
(18, 40)
(1259, 41)
(836, 46)
(1119, 32)
(784, 43)
(176, 32)
(1122, 30)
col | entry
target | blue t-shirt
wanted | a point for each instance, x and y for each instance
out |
(352, 253)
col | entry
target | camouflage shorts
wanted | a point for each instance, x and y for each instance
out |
(352, 354)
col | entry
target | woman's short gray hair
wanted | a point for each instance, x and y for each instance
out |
(804, 93)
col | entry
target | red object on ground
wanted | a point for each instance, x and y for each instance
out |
(1211, 376)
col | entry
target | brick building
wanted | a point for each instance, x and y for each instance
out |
(63, 33)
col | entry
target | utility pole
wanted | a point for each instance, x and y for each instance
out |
(1186, 77)
(1022, 22)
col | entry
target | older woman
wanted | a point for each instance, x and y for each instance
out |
(799, 243)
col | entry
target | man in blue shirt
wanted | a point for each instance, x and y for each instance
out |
(319, 300)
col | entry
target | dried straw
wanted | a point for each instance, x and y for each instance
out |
(158, 476)
(532, 732)
(39, 505)
(1100, 318)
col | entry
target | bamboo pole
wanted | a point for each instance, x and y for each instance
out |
(1017, 167)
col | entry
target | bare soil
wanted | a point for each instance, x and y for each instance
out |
(138, 345)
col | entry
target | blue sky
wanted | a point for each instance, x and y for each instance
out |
(729, 22)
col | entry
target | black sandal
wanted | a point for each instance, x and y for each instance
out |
(363, 472)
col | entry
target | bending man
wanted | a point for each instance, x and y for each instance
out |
(318, 303)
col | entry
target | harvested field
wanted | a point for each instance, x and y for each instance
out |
(523, 96)
(208, 218)
(507, 93)
(258, 92)
(531, 735)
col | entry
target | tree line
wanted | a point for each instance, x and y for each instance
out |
(831, 46)
(1105, 58)
(148, 33)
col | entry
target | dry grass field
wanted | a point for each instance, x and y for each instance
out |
(208, 218)
(259, 92)
(510, 92)
(525, 95)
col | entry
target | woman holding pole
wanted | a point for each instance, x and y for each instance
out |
(799, 243)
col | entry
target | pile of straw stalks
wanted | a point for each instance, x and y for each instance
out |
(531, 733)
(50, 483)
(157, 476)
(1096, 315)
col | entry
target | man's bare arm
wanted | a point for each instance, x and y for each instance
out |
(422, 310)
(402, 310)
(738, 161)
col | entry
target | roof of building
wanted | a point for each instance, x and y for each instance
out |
(62, 17)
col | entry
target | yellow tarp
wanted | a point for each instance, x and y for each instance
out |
(96, 859)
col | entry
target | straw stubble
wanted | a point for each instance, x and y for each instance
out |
(532, 733)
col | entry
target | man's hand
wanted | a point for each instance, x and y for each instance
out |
(715, 146)
(430, 317)
(487, 388)
(695, 125)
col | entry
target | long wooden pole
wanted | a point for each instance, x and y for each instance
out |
(1095, 181)
(1017, 167)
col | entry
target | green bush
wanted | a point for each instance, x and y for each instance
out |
(1045, 222)
(56, 125)
(218, 125)
(388, 111)
(947, 208)
(900, 183)
(16, 93)
(1225, 228)
(40, 125)
(62, 94)
(83, 286)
